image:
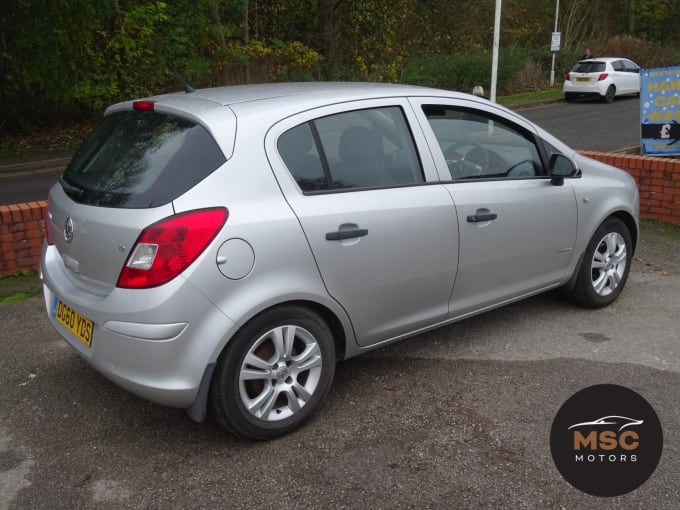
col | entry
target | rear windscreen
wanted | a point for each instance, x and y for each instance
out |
(140, 160)
(589, 67)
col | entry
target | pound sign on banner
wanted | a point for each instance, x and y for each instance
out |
(666, 131)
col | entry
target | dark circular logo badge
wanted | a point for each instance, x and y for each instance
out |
(606, 440)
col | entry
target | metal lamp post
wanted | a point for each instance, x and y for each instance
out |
(552, 69)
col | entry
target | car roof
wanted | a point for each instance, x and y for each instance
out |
(207, 106)
(330, 90)
(605, 59)
(202, 101)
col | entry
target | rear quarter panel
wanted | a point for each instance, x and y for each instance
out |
(284, 269)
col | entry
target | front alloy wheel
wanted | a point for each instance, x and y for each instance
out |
(273, 373)
(605, 266)
(609, 264)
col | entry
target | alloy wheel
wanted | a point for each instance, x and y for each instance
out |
(609, 263)
(280, 373)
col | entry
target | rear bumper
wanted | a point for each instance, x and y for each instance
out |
(155, 343)
(598, 88)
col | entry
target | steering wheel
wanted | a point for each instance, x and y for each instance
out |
(466, 159)
(517, 170)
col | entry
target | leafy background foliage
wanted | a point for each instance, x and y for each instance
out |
(64, 60)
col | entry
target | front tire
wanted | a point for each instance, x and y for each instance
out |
(273, 374)
(605, 267)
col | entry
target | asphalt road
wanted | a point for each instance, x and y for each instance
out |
(586, 125)
(28, 184)
(590, 124)
(457, 418)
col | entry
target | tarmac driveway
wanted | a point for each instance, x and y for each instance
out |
(457, 418)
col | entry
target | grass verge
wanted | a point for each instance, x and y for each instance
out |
(18, 287)
(527, 98)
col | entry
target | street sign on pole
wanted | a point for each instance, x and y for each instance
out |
(555, 42)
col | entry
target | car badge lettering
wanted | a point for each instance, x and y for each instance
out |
(68, 230)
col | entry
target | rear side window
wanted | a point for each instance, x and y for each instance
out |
(141, 160)
(298, 150)
(369, 148)
(589, 67)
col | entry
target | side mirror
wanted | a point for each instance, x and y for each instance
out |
(560, 167)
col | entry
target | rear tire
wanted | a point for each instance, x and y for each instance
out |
(570, 97)
(273, 374)
(610, 94)
(605, 266)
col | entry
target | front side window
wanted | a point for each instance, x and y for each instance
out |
(478, 147)
(369, 148)
(630, 67)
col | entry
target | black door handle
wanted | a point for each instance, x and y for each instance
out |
(476, 218)
(346, 234)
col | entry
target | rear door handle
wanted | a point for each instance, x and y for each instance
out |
(480, 216)
(346, 234)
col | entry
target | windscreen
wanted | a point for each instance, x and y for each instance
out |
(140, 160)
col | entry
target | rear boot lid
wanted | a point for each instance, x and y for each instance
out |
(95, 242)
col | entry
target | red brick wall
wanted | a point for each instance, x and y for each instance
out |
(658, 180)
(22, 231)
(21, 235)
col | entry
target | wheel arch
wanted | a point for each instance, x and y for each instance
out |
(339, 336)
(630, 223)
(331, 319)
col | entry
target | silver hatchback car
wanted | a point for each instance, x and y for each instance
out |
(220, 250)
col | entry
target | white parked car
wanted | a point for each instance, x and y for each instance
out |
(605, 77)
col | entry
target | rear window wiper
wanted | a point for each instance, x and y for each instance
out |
(71, 190)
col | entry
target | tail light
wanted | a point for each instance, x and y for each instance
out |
(166, 248)
(568, 76)
(602, 76)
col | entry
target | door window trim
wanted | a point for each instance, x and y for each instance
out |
(420, 144)
(328, 172)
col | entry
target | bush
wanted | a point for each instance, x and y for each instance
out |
(530, 77)
(644, 53)
(519, 70)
